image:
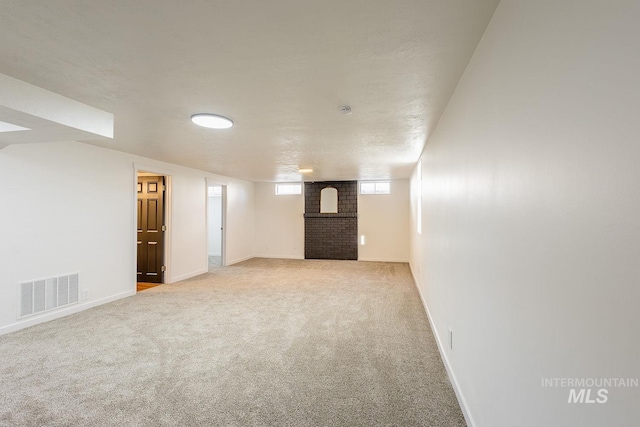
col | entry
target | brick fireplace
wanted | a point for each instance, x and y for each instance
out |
(331, 235)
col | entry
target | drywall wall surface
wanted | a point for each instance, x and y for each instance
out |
(240, 220)
(530, 241)
(70, 208)
(383, 220)
(279, 223)
(66, 208)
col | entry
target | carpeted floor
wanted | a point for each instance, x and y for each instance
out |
(260, 343)
(214, 262)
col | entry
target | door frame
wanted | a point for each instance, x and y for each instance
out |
(168, 206)
(209, 182)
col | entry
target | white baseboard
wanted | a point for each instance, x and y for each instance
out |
(188, 275)
(237, 260)
(271, 256)
(452, 377)
(383, 260)
(76, 308)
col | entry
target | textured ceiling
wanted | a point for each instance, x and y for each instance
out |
(280, 69)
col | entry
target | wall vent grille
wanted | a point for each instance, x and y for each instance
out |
(38, 296)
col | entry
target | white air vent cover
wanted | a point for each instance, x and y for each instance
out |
(38, 296)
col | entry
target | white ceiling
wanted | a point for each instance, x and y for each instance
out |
(280, 69)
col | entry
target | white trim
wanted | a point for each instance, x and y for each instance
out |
(189, 275)
(168, 220)
(271, 256)
(235, 261)
(452, 377)
(153, 169)
(218, 179)
(75, 308)
(405, 261)
(223, 247)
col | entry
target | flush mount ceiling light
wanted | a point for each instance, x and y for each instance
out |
(305, 170)
(212, 121)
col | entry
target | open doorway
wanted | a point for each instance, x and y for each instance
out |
(216, 201)
(151, 241)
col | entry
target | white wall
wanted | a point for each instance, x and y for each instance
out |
(531, 229)
(70, 207)
(187, 226)
(279, 223)
(384, 221)
(240, 219)
(214, 225)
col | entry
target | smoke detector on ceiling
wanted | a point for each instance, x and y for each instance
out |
(345, 110)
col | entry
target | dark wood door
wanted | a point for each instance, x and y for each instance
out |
(150, 229)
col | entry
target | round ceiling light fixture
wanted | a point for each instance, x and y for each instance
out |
(305, 170)
(212, 121)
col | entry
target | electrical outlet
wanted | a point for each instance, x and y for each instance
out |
(85, 294)
(450, 339)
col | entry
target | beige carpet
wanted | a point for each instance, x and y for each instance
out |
(261, 343)
(214, 262)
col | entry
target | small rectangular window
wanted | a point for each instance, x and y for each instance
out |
(375, 187)
(367, 188)
(288, 189)
(215, 191)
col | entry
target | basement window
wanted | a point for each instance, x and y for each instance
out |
(375, 187)
(288, 189)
